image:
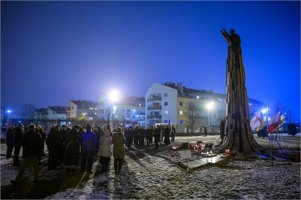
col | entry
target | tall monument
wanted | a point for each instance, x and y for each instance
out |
(240, 138)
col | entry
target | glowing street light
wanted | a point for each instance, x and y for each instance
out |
(114, 96)
(209, 106)
(8, 111)
(264, 111)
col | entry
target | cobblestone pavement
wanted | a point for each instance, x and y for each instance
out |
(144, 175)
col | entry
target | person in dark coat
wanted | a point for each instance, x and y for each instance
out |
(130, 134)
(118, 142)
(89, 144)
(54, 144)
(9, 141)
(141, 136)
(52, 128)
(63, 133)
(136, 136)
(43, 136)
(17, 138)
(71, 146)
(97, 131)
(173, 134)
(31, 143)
(166, 135)
(149, 135)
(157, 135)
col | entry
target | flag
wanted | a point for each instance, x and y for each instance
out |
(255, 121)
(111, 124)
(274, 123)
(282, 118)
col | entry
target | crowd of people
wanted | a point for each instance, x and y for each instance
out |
(65, 145)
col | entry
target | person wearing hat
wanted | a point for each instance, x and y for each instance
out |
(89, 144)
(71, 147)
(31, 142)
(16, 141)
(54, 144)
(118, 142)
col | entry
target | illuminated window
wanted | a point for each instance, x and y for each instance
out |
(181, 121)
(181, 112)
(197, 97)
(116, 116)
(53, 116)
(166, 112)
(165, 121)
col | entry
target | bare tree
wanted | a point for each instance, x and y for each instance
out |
(290, 117)
(193, 115)
(278, 107)
(27, 110)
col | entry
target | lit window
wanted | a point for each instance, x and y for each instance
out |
(181, 103)
(197, 97)
(166, 112)
(172, 122)
(165, 121)
(181, 121)
(140, 105)
(181, 112)
(95, 108)
(116, 116)
(114, 107)
(165, 94)
(250, 104)
(53, 116)
(165, 103)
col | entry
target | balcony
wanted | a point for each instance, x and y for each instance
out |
(154, 108)
(154, 99)
(154, 116)
(141, 119)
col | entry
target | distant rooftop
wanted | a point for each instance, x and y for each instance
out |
(42, 111)
(59, 109)
(83, 104)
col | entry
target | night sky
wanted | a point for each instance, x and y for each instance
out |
(55, 51)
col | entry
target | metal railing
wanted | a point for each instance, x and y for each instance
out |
(154, 99)
(153, 116)
(154, 108)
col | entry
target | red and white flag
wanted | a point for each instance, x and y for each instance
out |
(255, 121)
(274, 123)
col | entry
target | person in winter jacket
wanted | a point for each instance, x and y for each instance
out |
(173, 133)
(43, 135)
(17, 139)
(157, 135)
(89, 144)
(9, 141)
(118, 142)
(31, 142)
(71, 147)
(130, 136)
(54, 144)
(104, 152)
(63, 133)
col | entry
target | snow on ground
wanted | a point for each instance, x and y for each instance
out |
(155, 178)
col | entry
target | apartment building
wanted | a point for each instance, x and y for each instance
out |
(185, 106)
(82, 108)
(130, 108)
(57, 112)
(41, 113)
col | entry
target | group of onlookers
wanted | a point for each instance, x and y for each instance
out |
(65, 145)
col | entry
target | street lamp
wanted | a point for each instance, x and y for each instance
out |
(209, 106)
(114, 97)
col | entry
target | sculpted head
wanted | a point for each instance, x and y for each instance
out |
(232, 31)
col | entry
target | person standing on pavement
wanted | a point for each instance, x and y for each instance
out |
(118, 142)
(157, 135)
(136, 136)
(63, 133)
(141, 136)
(43, 136)
(89, 144)
(173, 134)
(130, 134)
(17, 139)
(9, 141)
(71, 147)
(54, 144)
(166, 135)
(104, 152)
(149, 135)
(31, 143)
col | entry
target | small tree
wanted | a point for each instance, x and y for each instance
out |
(193, 115)
(292, 129)
(27, 110)
(278, 107)
(289, 116)
(205, 132)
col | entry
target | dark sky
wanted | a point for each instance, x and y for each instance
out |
(55, 51)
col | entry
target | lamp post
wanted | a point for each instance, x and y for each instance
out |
(209, 106)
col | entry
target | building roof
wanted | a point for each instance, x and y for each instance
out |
(191, 93)
(42, 111)
(83, 104)
(59, 109)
